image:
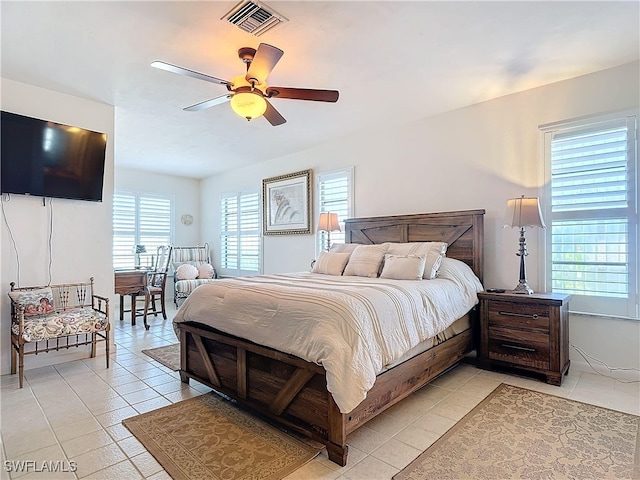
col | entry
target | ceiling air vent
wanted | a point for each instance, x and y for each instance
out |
(254, 17)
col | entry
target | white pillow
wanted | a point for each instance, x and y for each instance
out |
(187, 272)
(365, 261)
(205, 270)
(330, 263)
(343, 247)
(433, 252)
(403, 267)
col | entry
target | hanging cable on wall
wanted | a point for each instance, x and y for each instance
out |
(6, 198)
(50, 242)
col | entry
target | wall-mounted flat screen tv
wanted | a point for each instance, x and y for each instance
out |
(48, 159)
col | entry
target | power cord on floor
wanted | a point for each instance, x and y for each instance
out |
(588, 357)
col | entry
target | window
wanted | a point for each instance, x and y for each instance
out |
(335, 194)
(140, 220)
(593, 238)
(240, 234)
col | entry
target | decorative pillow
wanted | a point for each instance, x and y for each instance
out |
(343, 247)
(205, 270)
(35, 302)
(403, 267)
(434, 252)
(330, 263)
(365, 261)
(187, 272)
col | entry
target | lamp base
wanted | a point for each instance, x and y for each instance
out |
(523, 288)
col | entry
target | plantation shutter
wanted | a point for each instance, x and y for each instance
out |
(140, 219)
(593, 216)
(124, 230)
(240, 234)
(334, 195)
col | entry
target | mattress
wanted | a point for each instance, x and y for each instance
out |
(354, 327)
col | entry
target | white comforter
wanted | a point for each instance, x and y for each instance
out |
(352, 326)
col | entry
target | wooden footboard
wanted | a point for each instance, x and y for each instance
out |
(293, 392)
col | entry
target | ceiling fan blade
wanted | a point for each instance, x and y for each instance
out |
(263, 62)
(303, 94)
(273, 116)
(208, 103)
(189, 73)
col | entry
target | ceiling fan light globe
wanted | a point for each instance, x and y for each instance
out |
(248, 104)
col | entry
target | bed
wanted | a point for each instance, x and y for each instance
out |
(293, 391)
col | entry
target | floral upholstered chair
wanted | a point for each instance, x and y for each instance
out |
(191, 268)
(54, 317)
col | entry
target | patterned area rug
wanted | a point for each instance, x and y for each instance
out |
(518, 433)
(169, 356)
(207, 437)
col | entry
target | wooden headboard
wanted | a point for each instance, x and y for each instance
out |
(462, 230)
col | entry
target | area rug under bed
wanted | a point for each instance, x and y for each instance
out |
(208, 437)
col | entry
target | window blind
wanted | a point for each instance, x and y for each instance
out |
(140, 219)
(334, 195)
(594, 219)
(240, 241)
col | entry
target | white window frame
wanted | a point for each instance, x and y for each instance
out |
(239, 233)
(142, 236)
(324, 205)
(625, 308)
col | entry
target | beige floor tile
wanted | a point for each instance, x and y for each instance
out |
(119, 471)
(53, 455)
(20, 443)
(115, 416)
(85, 443)
(118, 431)
(370, 468)
(146, 464)
(313, 470)
(131, 447)
(396, 453)
(76, 429)
(140, 395)
(417, 437)
(366, 440)
(153, 404)
(433, 422)
(98, 459)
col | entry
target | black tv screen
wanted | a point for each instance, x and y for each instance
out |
(48, 159)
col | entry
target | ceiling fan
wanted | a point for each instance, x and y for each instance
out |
(249, 94)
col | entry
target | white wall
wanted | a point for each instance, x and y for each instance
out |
(474, 157)
(82, 231)
(186, 199)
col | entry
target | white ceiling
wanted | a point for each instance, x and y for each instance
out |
(393, 62)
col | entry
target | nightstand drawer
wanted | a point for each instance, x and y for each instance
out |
(519, 347)
(518, 315)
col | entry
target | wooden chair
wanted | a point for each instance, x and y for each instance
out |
(54, 317)
(156, 282)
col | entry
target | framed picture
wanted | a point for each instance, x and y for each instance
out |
(286, 204)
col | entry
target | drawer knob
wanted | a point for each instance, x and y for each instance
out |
(524, 315)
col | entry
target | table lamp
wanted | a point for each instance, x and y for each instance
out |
(328, 222)
(523, 212)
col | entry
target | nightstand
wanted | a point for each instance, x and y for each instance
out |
(525, 332)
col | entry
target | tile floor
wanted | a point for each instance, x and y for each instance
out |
(72, 412)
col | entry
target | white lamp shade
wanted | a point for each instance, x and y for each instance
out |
(523, 212)
(328, 222)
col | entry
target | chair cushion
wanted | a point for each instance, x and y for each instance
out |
(59, 324)
(187, 272)
(187, 286)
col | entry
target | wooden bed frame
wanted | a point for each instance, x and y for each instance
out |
(293, 392)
